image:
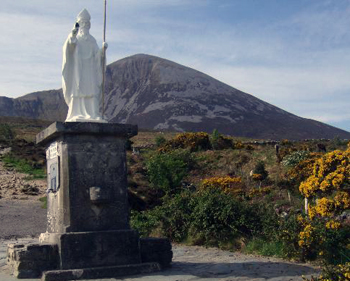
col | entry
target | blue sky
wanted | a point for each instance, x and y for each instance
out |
(294, 54)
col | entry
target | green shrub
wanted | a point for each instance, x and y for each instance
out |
(219, 218)
(160, 140)
(219, 141)
(287, 232)
(295, 158)
(177, 215)
(259, 169)
(216, 217)
(144, 222)
(172, 219)
(6, 133)
(167, 170)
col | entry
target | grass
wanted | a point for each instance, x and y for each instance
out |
(264, 248)
(43, 201)
(23, 166)
(25, 128)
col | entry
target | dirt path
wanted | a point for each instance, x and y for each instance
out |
(21, 218)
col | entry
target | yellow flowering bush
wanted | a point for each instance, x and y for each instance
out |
(238, 145)
(331, 172)
(327, 188)
(259, 191)
(257, 177)
(333, 224)
(325, 207)
(193, 141)
(303, 169)
(229, 185)
(340, 272)
(306, 236)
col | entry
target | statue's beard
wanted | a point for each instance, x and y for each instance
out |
(84, 33)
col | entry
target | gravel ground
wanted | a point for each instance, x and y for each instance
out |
(21, 218)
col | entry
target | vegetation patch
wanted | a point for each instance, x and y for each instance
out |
(23, 166)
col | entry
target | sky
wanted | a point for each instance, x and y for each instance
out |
(294, 54)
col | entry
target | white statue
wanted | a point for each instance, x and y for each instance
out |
(82, 72)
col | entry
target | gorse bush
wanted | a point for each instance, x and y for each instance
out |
(219, 141)
(301, 171)
(340, 272)
(192, 141)
(229, 185)
(331, 172)
(324, 232)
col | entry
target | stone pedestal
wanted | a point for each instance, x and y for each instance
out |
(88, 215)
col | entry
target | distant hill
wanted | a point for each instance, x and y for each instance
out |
(156, 93)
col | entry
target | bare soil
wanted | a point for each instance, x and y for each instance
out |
(21, 212)
(15, 185)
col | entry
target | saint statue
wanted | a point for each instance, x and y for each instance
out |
(82, 72)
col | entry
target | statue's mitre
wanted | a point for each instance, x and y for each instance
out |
(84, 15)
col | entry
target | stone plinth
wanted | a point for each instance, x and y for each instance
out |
(88, 214)
(90, 176)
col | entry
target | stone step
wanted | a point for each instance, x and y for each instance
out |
(100, 272)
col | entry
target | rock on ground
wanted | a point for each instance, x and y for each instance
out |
(14, 185)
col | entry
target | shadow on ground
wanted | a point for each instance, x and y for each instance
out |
(242, 269)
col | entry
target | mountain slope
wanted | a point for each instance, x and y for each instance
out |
(159, 94)
(46, 105)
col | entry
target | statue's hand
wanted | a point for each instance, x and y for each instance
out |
(104, 45)
(75, 31)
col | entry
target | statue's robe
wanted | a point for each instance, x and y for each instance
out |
(82, 78)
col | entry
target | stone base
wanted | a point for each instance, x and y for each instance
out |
(29, 261)
(76, 119)
(89, 255)
(100, 272)
(97, 248)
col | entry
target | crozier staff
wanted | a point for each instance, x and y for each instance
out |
(82, 72)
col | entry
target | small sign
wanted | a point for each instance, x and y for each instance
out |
(53, 179)
(52, 151)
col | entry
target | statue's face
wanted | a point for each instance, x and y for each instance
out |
(84, 24)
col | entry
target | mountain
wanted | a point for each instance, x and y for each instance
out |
(45, 105)
(156, 93)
